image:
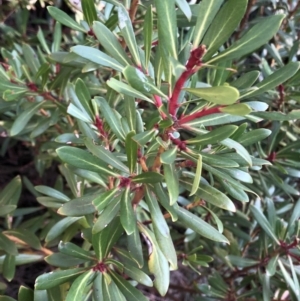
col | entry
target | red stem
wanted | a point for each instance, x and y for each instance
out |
(204, 112)
(192, 66)
(99, 125)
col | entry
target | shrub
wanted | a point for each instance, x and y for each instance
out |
(175, 130)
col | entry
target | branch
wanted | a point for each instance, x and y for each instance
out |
(133, 9)
(205, 112)
(192, 66)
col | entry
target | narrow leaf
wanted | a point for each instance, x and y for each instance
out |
(127, 216)
(56, 278)
(197, 178)
(221, 95)
(198, 225)
(82, 159)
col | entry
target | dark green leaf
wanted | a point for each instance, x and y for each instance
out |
(82, 159)
(107, 214)
(127, 215)
(22, 120)
(56, 278)
(198, 225)
(98, 57)
(131, 151)
(78, 207)
(103, 241)
(149, 177)
(110, 43)
(263, 222)
(64, 18)
(25, 294)
(257, 36)
(89, 12)
(7, 245)
(148, 31)
(206, 10)
(105, 155)
(52, 193)
(73, 250)
(25, 235)
(9, 267)
(80, 287)
(171, 178)
(104, 199)
(130, 292)
(223, 25)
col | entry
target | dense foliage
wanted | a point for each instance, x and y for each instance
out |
(171, 133)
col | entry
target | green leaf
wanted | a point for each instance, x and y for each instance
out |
(156, 215)
(239, 109)
(246, 80)
(131, 151)
(84, 96)
(264, 223)
(185, 8)
(63, 261)
(6, 298)
(110, 43)
(56, 278)
(128, 34)
(73, 250)
(12, 191)
(130, 292)
(52, 193)
(9, 267)
(130, 112)
(169, 156)
(238, 148)
(157, 263)
(64, 18)
(126, 89)
(127, 215)
(214, 136)
(137, 275)
(31, 58)
(223, 25)
(82, 159)
(171, 179)
(6, 209)
(103, 241)
(148, 31)
(207, 11)
(144, 137)
(111, 118)
(221, 95)
(149, 177)
(197, 178)
(278, 116)
(273, 80)
(210, 194)
(7, 245)
(241, 262)
(80, 287)
(25, 294)
(110, 290)
(25, 235)
(142, 83)
(60, 227)
(104, 199)
(98, 57)
(78, 207)
(135, 247)
(163, 198)
(89, 12)
(288, 278)
(78, 113)
(257, 36)
(22, 120)
(107, 215)
(97, 288)
(254, 136)
(105, 155)
(198, 225)
(166, 23)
